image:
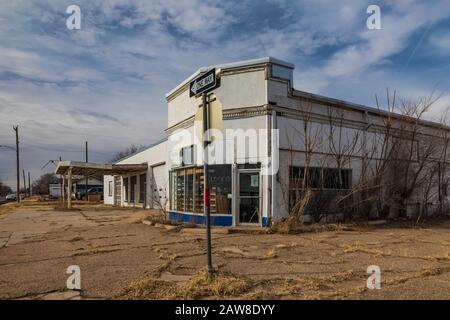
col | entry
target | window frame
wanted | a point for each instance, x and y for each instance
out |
(110, 188)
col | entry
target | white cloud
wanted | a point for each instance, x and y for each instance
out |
(129, 53)
(374, 46)
(441, 42)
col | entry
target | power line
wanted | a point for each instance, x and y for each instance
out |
(7, 147)
(29, 146)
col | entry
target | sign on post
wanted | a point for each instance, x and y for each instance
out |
(204, 83)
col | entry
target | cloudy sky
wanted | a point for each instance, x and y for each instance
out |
(106, 82)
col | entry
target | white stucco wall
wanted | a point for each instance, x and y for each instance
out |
(235, 91)
(155, 156)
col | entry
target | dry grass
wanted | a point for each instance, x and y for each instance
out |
(424, 273)
(271, 254)
(201, 285)
(288, 227)
(358, 247)
(7, 207)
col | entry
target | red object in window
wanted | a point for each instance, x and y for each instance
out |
(207, 197)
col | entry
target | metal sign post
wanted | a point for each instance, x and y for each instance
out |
(206, 194)
(201, 85)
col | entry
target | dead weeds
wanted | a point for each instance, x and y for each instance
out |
(423, 273)
(287, 227)
(201, 285)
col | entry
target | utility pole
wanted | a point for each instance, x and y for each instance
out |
(62, 185)
(29, 184)
(206, 202)
(86, 183)
(24, 183)
(16, 129)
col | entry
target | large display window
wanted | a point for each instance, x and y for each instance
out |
(187, 187)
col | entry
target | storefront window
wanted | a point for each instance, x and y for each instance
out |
(220, 185)
(187, 187)
(189, 190)
(180, 190)
(199, 183)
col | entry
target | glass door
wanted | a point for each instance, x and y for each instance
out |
(249, 197)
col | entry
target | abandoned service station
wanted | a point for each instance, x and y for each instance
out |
(270, 147)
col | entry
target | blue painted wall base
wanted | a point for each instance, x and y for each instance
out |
(219, 221)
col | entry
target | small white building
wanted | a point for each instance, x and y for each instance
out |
(258, 148)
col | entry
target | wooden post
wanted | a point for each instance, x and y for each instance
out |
(69, 189)
(62, 189)
(86, 176)
(62, 185)
(16, 129)
(24, 183)
(29, 184)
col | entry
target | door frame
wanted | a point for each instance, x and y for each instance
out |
(238, 197)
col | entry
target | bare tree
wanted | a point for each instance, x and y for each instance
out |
(158, 199)
(400, 157)
(41, 185)
(4, 189)
(125, 153)
(305, 139)
(343, 146)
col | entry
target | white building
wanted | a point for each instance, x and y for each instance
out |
(263, 139)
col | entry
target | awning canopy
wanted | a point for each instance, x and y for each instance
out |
(86, 168)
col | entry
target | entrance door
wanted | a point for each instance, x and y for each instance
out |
(249, 197)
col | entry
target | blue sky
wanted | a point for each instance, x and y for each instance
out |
(106, 82)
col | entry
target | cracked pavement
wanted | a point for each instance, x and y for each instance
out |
(113, 249)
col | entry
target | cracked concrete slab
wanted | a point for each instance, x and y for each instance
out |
(41, 243)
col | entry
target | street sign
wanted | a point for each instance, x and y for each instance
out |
(204, 83)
